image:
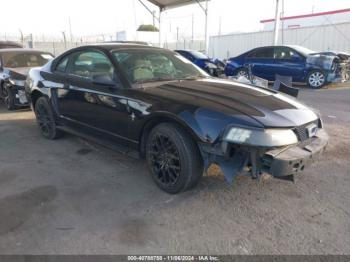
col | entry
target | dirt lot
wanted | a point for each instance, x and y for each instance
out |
(73, 197)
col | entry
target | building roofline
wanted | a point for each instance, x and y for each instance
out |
(309, 15)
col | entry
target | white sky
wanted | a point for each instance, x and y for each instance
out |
(93, 17)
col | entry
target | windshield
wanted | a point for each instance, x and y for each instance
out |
(199, 55)
(148, 65)
(15, 59)
(303, 50)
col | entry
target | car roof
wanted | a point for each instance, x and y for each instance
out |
(10, 43)
(22, 50)
(107, 47)
(269, 46)
(114, 46)
(186, 50)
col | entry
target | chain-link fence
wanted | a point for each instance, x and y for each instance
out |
(57, 46)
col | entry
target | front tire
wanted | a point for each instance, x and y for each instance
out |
(173, 158)
(316, 79)
(45, 119)
(9, 99)
(242, 72)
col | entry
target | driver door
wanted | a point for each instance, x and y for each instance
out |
(262, 62)
(289, 63)
(91, 105)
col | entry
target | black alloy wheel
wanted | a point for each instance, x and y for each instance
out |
(45, 119)
(165, 159)
(173, 158)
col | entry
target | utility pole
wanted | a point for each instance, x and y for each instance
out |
(219, 25)
(277, 23)
(64, 39)
(159, 28)
(22, 37)
(177, 36)
(30, 42)
(206, 28)
(282, 18)
(154, 18)
(70, 30)
(192, 29)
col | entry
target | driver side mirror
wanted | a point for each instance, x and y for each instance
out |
(105, 80)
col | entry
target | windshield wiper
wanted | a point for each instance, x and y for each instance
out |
(195, 77)
(157, 79)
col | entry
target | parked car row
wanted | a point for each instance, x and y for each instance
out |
(301, 64)
(316, 69)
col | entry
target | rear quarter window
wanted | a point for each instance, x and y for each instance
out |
(62, 65)
(262, 53)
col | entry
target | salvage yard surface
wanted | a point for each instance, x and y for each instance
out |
(71, 196)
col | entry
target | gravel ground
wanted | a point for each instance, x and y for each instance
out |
(70, 196)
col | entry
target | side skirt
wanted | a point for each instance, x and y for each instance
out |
(127, 150)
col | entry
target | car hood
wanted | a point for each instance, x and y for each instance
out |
(267, 107)
(19, 73)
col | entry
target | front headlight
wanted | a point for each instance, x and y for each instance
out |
(16, 82)
(265, 138)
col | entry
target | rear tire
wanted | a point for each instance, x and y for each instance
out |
(46, 119)
(316, 79)
(173, 158)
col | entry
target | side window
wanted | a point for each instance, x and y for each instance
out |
(263, 53)
(62, 65)
(189, 56)
(91, 63)
(283, 53)
(294, 54)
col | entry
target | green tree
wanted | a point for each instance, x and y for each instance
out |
(148, 28)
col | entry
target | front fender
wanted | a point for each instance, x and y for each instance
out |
(322, 62)
(209, 125)
(204, 125)
(231, 67)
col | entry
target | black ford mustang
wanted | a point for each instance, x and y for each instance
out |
(158, 103)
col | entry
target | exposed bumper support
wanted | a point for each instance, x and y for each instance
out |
(293, 160)
(280, 163)
(20, 98)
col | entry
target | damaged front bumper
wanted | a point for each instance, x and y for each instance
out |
(284, 163)
(292, 160)
(20, 97)
(340, 74)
